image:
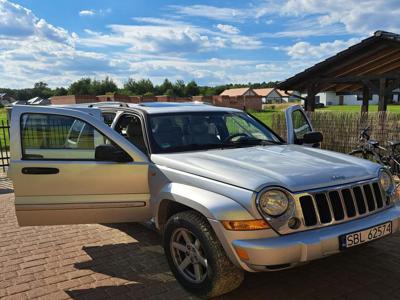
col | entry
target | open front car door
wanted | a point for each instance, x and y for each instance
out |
(299, 128)
(69, 167)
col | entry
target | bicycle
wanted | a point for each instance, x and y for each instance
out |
(371, 150)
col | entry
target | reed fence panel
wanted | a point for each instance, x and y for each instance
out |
(341, 129)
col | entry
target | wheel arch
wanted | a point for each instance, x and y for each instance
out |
(176, 197)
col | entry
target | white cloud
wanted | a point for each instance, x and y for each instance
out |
(357, 16)
(17, 22)
(228, 28)
(306, 51)
(352, 16)
(169, 36)
(211, 12)
(87, 12)
(92, 12)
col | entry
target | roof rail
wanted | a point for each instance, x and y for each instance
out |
(113, 103)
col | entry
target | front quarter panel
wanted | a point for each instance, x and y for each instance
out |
(211, 205)
(215, 207)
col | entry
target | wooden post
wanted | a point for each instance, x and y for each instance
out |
(310, 99)
(382, 106)
(365, 101)
(341, 100)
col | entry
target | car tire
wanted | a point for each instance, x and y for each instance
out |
(218, 275)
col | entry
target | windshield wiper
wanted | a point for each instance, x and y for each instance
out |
(237, 144)
(254, 141)
(192, 147)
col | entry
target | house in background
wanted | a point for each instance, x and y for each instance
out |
(269, 95)
(288, 96)
(239, 92)
(273, 95)
(6, 99)
(240, 98)
(332, 98)
(38, 101)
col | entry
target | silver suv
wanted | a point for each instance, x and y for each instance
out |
(226, 192)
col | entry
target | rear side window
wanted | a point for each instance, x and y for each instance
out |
(46, 136)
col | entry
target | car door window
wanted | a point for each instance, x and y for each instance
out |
(130, 126)
(300, 124)
(47, 136)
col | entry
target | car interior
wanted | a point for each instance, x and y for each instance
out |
(130, 127)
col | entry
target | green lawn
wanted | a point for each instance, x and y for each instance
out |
(265, 116)
(4, 140)
(3, 115)
(357, 108)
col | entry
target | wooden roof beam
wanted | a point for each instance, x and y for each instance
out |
(349, 88)
(371, 63)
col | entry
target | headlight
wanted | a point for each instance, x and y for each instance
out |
(386, 181)
(274, 202)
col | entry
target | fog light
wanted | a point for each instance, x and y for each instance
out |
(294, 223)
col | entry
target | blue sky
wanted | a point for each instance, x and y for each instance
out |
(212, 42)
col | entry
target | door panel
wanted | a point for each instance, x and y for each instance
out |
(83, 190)
(297, 124)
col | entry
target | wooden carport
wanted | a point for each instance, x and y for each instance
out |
(369, 67)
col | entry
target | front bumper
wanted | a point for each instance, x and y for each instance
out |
(289, 250)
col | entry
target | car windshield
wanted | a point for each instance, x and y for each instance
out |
(175, 132)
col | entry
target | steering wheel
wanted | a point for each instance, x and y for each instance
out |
(229, 138)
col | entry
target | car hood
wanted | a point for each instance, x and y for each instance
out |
(294, 167)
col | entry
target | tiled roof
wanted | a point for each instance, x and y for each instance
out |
(283, 93)
(263, 92)
(235, 92)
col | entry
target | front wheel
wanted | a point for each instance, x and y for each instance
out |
(196, 256)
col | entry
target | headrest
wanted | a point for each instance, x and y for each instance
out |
(199, 126)
(134, 129)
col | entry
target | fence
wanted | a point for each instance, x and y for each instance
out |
(341, 129)
(4, 144)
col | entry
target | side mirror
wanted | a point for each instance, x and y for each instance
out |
(313, 138)
(110, 152)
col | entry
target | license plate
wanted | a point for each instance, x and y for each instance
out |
(364, 236)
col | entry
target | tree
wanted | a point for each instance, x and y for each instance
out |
(192, 89)
(81, 87)
(145, 86)
(60, 91)
(104, 86)
(131, 86)
(41, 89)
(169, 93)
(40, 85)
(140, 87)
(165, 86)
(179, 88)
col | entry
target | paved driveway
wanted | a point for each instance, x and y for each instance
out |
(126, 262)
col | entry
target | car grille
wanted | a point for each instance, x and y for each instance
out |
(341, 204)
